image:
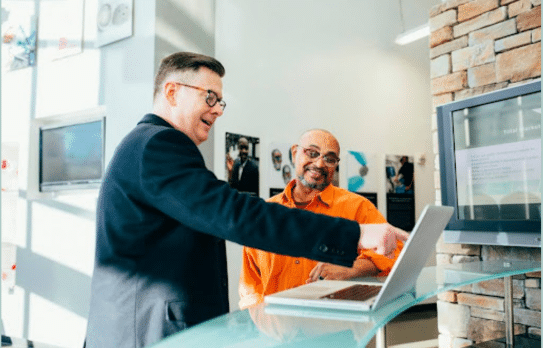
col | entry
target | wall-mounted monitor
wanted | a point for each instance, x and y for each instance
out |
(67, 153)
(490, 165)
(71, 155)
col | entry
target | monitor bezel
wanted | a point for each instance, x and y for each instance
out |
(82, 184)
(33, 191)
(447, 163)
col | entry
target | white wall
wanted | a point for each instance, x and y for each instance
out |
(186, 25)
(55, 237)
(295, 65)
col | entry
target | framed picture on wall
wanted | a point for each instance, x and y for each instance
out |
(242, 160)
(18, 40)
(113, 21)
(281, 165)
(400, 191)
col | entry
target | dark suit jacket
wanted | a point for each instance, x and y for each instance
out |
(162, 218)
(249, 177)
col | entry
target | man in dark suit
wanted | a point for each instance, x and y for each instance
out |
(162, 218)
(244, 174)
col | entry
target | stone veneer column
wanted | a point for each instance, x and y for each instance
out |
(476, 47)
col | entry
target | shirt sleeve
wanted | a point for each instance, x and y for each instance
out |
(368, 214)
(250, 281)
(383, 263)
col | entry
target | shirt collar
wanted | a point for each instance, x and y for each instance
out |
(155, 119)
(326, 196)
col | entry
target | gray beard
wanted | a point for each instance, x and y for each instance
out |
(318, 187)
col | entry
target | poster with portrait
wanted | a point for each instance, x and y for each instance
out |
(281, 167)
(242, 158)
(113, 21)
(400, 190)
(362, 174)
(18, 40)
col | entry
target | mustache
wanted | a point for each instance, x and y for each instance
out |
(320, 170)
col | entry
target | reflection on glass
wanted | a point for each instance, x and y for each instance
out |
(498, 159)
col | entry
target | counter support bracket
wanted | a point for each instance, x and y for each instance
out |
(381, 337)
(509, 318)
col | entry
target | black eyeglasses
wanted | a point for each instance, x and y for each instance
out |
(314, 155)
(211, 99)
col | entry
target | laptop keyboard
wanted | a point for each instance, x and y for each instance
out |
(355, 292)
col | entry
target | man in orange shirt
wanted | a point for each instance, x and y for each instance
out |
(316, 157)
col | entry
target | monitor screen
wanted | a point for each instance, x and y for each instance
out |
(490, 163)
(498, 159)
(71, 156)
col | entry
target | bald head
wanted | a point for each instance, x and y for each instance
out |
(243, 141)
(321, 136)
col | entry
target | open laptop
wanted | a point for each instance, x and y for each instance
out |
(344, 295)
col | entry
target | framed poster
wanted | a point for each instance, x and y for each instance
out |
(18, 40)
(362, 174)
(400, 191)
(242, 163)
(113, 21)
(281, 166)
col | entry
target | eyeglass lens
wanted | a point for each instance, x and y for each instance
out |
(314, 155)
(212, 99)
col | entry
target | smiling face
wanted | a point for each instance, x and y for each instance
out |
(315, 174)
(243, 148)
(189, 112)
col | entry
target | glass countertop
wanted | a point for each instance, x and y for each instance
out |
(269, 325)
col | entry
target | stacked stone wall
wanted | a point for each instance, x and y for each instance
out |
(477, 47)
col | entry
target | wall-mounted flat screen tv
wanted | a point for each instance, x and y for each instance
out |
(71, 156)
(490, 164)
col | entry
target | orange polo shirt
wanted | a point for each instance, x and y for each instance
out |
(265, 273)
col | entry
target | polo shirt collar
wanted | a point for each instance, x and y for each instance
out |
(326, 196)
